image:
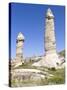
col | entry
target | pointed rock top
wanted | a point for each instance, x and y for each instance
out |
(20, 36)
(49, 14)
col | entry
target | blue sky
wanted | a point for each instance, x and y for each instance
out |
(30, 20)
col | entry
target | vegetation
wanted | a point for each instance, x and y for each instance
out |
(27, 65)
(62, 53)
(57, 78)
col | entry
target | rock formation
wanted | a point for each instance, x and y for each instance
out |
(51, 57)
(19, 48)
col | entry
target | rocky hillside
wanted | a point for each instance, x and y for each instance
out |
(62, 53)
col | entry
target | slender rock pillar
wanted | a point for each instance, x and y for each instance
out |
(50, 59)
(51, 56)
(19, 47)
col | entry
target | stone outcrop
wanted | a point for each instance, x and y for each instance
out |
(19, 49)
(29, 74)
(51, 57)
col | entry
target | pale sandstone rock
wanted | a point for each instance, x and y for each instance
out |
(19, 49)
(30, 74)
(51, 57)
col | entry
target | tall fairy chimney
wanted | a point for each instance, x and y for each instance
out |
(51, 56)
(50, 59)
(50, 42)
(19, 47)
